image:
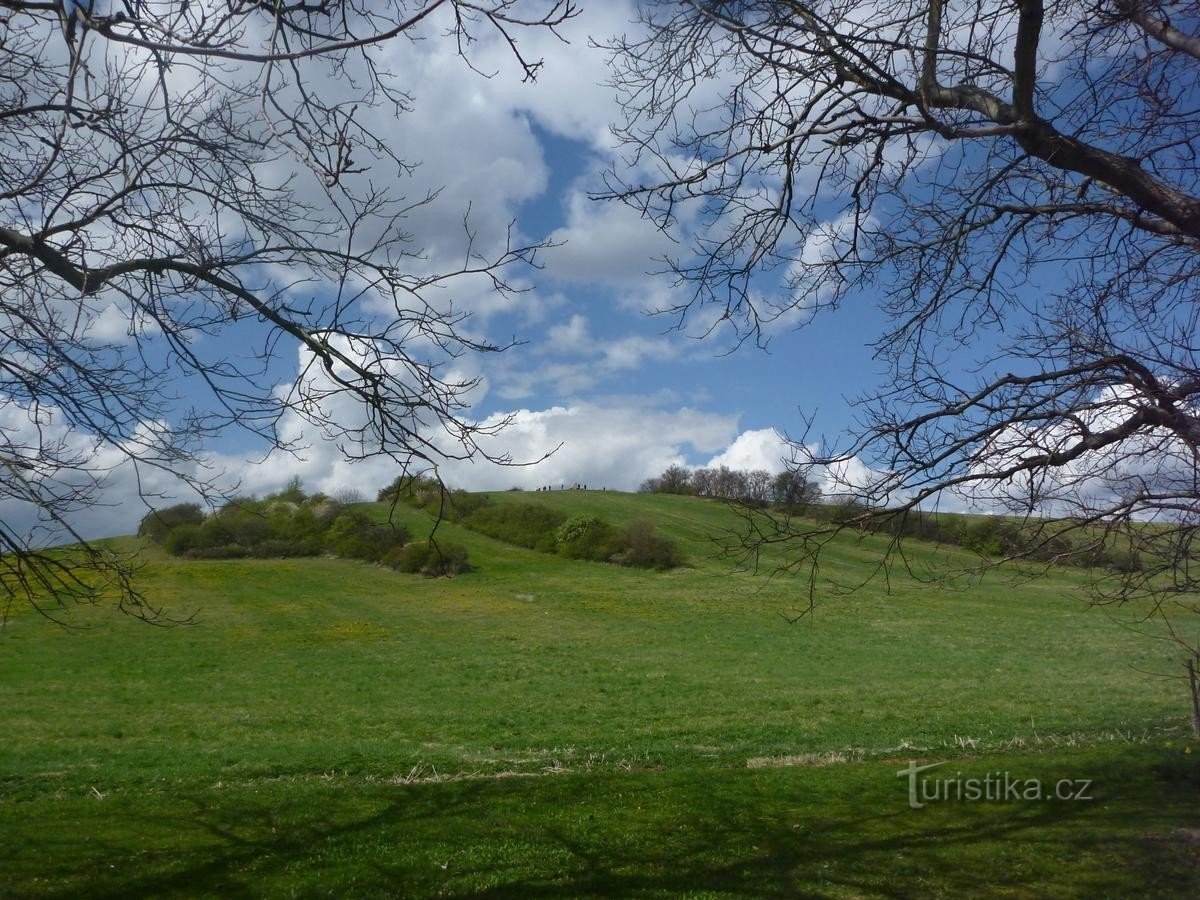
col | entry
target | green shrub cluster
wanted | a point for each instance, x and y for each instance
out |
(587, 537)
(290, 524)
(353, 535)
(997, 537)
(537, 527)
(429, 558)
(416, 490)
(793, 494)
(643, 548)
(524, 524)
(430, 495)
(579, 537)
(159, 522)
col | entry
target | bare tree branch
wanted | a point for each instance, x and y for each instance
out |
(197, 169)
(1014, 181)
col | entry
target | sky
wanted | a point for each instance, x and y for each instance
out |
(626, 393)
(620, 393)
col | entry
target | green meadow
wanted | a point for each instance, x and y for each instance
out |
(543, 727)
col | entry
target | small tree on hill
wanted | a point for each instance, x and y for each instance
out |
(792, 488)
(758, 487)
(675, 479)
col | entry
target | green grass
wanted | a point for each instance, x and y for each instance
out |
(550, 727)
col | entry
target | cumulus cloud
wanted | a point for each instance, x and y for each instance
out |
(767, 449)
(569, 337)
(119, 488)
(616, 444)
(606, 243)
(570, 96)
(611, 446)
(763, 448)
(1151, 462)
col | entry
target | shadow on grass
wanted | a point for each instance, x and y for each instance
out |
(834, 831)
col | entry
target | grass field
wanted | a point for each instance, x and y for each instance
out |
(546, 727)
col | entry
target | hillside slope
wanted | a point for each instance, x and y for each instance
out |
(300, 677)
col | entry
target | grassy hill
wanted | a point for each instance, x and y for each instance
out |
(542, 726)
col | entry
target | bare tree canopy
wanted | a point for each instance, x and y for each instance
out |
(1018, 184)
(218, 177)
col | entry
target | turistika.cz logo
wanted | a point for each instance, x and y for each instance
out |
(994, 787)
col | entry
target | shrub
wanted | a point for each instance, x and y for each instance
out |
(587, 537)
(1052, 548)
(392, 492)
(842, 511)
(293, 493)
(524, 524)
(214, 532)
(354, 536)
(157, 523)
(645, 549)
(461, 505)
(430, 558)
(182, 538)
(245, 524)
(393, 556)
(1124, 560)
(280, 527)
(324, 511)
(297, 525)
(414, 489)
(992, 537)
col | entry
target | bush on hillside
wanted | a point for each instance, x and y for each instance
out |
(429, 558)
(582, 536)
(286, 524)
(240, 522)
(182, 538)
(463, 504)
(324, 510)
(414, 489)
(1124, 560)
(587, 537)
(524, 524)
(353, 535)
(293, 493)
(158, 522)
(1054, 548)
(645, 549)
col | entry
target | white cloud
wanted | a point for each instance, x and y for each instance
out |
(609, 446)
(569, 97)
(569, 337)
(609, 243)
(1150, 461)
(614, 444)
(120, 490)
(763, 448)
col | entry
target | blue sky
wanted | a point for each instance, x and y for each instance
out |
(592, 358)
(810, 369)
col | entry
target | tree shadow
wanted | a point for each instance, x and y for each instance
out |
(835, 831)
